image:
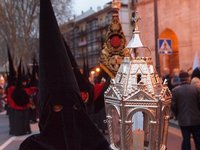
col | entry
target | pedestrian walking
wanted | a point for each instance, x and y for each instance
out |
(175, 80)
(166, 76)
(186, 109)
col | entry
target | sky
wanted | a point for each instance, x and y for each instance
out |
(79, 5)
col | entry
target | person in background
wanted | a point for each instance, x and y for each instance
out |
(2, 94)
(185, 107)
(167, 76)
(100, 114)
(175, 80)
(2, 99)
(196, 82)
(32, 92)
(19, 103)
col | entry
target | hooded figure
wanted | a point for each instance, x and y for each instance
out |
(64, 124)
(32, 90)
(18, 101)
(12, 73)
(86, 88)
(11, 80)
(33, 75)
(19, 95)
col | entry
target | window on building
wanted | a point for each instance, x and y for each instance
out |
(89, 49)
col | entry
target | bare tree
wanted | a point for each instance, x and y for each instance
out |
(19, 25)
(63, 10)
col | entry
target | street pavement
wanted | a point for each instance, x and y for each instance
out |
(8, 142)
(4, 128)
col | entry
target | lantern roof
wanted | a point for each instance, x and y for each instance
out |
(134, 77)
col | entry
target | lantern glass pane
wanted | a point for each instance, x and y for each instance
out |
(140, 130)
(137, 121)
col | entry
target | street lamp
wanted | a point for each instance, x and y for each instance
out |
(98, 69)
(92, 72)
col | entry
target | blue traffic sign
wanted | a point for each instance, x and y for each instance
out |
(165, 46)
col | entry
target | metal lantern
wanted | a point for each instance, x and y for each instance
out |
(137, 104)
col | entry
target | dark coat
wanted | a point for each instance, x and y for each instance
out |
(185, 105)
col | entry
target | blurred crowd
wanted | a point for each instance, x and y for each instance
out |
(19, 99)
(185, 105)
(173, 78)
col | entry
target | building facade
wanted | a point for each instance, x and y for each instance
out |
(86, 33)
(179, 21)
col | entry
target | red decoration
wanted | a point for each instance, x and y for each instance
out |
(115, 41)
(84, 96)
(98, 88)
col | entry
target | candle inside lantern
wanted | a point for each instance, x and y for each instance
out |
(138, 139)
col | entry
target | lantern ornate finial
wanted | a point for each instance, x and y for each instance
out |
(135, 41)
(134, 20)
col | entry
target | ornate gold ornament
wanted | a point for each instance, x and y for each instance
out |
(113, 50)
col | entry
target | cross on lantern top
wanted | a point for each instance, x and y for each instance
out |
(134, 20)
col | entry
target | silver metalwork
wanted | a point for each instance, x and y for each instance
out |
(137, 105)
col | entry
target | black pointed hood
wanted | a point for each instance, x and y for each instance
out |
(20, 97)
(85, 67)
(12, 71)
(55, 71)
(24, 75)
(23, 71)
(19, 73)
(28, 73)
(58, 86)
(21, 76)
(33, 79)
(83, 82)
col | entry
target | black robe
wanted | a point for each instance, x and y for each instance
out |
(18, 112)
(69, 129)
